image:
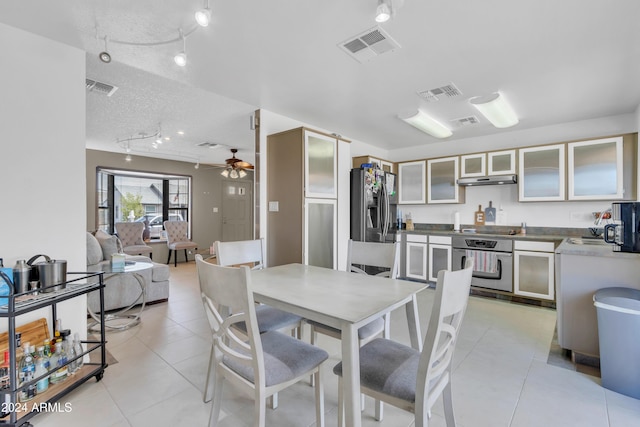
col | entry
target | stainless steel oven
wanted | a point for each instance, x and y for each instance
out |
(494, 260)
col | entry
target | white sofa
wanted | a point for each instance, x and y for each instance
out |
(122, 289)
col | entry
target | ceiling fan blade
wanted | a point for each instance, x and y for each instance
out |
(243, 165)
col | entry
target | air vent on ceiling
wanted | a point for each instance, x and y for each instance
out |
(465, 121)
(99, 87)
(368, 45)
(447, 91)
(208, 144)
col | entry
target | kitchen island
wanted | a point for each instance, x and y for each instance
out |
(584, 266)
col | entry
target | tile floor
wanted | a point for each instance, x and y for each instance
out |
(501, 375)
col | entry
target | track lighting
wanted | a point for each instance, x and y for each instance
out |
(105, 56)
(197, 166)
(383, 11)
(128, 157)
(203, 16)
(181, 58)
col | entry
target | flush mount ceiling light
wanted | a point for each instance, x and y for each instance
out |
(425, 123)
(495, 109)
(383, 11)
(203, 16)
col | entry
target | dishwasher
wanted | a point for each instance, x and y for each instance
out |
(493, 261)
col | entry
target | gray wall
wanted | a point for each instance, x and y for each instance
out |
(206, 193)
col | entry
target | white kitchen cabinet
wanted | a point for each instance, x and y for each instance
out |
(411, 182)
(442, 177)
(439, 255)
(595, 169)
(416, 256)
(472, 165)
(542, 173)
(320, 224)
(382, 164)
(534, 269)
(502, 162)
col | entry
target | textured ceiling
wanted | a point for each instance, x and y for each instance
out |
(555, 61)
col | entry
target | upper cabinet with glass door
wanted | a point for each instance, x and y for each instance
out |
(411, 182)
(596, 169)
(502, 162)
(320, 165)
(442, 177)
(541, 173)
(472, 165)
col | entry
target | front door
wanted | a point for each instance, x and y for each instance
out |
(237, 209)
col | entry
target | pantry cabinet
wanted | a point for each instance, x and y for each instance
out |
(411, 182)
(533, 269)
(542, 173)
(302, 197)
(442, 177)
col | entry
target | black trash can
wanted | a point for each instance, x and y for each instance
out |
(618, 312)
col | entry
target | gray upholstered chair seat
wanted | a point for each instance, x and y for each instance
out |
(389, 367)
(182, 245)
(285, 358)
(137, 250)
(271, 319)
(372, 328)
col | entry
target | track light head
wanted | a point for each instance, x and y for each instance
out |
(203, 17)
(180, 59)
(104, 57)
(383, 11)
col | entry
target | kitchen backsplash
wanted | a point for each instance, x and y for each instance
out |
(535, 214)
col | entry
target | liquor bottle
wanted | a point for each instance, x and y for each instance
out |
(77, 348)
(60, 374)
(42, 367)
(68, 348)
(27, 371)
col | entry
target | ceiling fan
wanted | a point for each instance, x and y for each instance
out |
(234, 167)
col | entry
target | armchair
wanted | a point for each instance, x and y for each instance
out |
(130, 234)
(177, 239)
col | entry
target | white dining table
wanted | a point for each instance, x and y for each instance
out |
(343, 300)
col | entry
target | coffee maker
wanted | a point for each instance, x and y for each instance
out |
(624, 233)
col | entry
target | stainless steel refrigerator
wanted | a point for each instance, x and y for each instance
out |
(374, 206)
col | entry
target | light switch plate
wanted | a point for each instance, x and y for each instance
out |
(274, 206)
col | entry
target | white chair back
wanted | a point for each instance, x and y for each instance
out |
(434, 369)
(386, 255)
(228, 287)
(240, 252)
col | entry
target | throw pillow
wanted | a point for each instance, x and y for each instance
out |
(108, 243)
(94, 250)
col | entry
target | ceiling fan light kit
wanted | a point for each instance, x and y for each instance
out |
(235, 168)
(495, 109)
(420, 120)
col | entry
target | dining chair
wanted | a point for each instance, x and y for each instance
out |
(177, 238)
(260, 365)
(407, 378)
(130, 234)
(363, 256)
(251, 253)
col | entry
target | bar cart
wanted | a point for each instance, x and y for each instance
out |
(15, 413)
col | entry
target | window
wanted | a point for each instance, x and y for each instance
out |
(124, 196)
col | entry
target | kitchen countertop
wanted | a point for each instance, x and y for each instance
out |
(533, 233)
(592, 247)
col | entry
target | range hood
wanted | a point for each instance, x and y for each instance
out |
(488, 180)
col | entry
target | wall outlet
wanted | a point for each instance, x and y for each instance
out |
(215, 210)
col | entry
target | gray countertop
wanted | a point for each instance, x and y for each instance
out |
(590, 248)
